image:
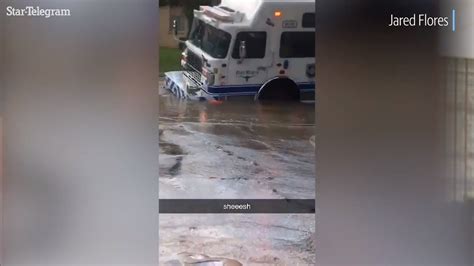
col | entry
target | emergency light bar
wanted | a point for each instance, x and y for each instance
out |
(220, 14)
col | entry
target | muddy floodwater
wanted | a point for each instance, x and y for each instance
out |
(237, 149)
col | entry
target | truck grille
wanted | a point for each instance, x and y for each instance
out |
(194, 77)
(194, 61)
(193, 69)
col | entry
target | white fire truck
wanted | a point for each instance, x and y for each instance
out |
(259, 48)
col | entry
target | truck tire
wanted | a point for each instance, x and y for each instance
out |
(278, 89)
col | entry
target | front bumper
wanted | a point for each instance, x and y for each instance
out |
(183, 87)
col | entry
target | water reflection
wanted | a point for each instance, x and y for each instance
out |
(236, 148)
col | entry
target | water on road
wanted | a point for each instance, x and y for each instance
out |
(242, 150)
(236, 149)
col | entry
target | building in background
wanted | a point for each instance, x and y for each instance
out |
(167, 14)
(181, 10)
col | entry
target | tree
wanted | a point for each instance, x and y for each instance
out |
(170, 2)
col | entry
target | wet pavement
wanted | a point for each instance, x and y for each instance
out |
(251, 239)
(237, 149)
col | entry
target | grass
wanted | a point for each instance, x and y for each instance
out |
(169, 59)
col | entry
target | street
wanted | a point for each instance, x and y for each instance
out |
(237, 149)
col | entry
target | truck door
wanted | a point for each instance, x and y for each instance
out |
(296, 55)
(252, 70)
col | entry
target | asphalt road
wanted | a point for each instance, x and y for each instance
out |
(243, 150)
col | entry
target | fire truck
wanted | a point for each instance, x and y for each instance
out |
(259, 48)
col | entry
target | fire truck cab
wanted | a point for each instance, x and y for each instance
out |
(259, 48)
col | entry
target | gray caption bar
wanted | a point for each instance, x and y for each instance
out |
(237, 206)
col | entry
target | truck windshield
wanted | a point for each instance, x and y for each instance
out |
(211, 40)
